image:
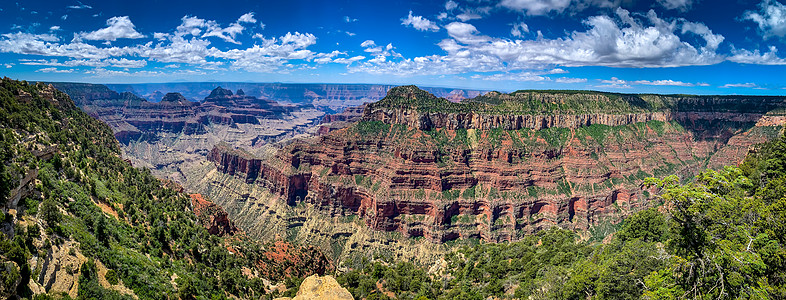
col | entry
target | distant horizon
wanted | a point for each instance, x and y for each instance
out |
(422, 86)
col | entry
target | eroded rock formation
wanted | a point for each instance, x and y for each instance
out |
(424, 166)
(212, 216)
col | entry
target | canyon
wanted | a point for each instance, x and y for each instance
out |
(423, 166)
(381, 177)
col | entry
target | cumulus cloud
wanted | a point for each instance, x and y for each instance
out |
(465, 33)
(191, 25)
(189, 44)
(247, 18)
(771, 18)
(380, 53)
(118, 28)
(624, 41)
(419, 23)
(272, 54)
(347, 19)
(755, 57)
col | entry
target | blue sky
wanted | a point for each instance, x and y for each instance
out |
(663, 46)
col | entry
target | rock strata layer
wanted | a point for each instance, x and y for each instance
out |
(497, 177)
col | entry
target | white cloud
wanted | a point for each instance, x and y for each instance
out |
(619, 83)
(247, 18)
(419, 23)
(629, 40)
(536, 7)
(119, 28)
(755, 57)
(188, 44)
(473, 13)
(54, 28)
(740, 85)
(545, 7)
(682, 5)
(347, 19)
(712, 40)
(111, 62)
(519, 29)
(771, 18)
(450, 5)
(368, 43)
(180, 50)
(272, 54)
(55, 70)
(80, 6)
(195, 26)
(349, 60)
(667, 82)
(465, 33)
(570, 80)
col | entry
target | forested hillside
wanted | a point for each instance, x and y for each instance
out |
(79, 221)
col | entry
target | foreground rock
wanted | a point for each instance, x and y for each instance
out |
(315, 287)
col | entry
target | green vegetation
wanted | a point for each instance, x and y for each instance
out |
(145, 234)
(550, 102)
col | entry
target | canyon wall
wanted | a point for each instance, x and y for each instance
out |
(497, 177)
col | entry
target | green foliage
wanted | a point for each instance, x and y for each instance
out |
(649, 225)
(50, 213)
(371, 128)
(154, 234)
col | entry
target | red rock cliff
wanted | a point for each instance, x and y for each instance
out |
(468, 175)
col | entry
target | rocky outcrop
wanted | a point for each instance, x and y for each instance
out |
(235, 162)
(212, 216)
(315, 287)
(283, 260)
(477, 178)
(337, 121)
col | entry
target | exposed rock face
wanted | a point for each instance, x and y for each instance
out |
(454, 175)
(323, 288)
(212, 216)
(337, 121)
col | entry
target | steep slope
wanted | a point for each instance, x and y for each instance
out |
(502, 166)
(78, 219)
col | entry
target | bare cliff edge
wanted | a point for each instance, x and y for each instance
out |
(500, 166)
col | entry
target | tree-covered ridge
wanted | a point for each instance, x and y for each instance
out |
(85, 197)
(721, 236)
(548, 102)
